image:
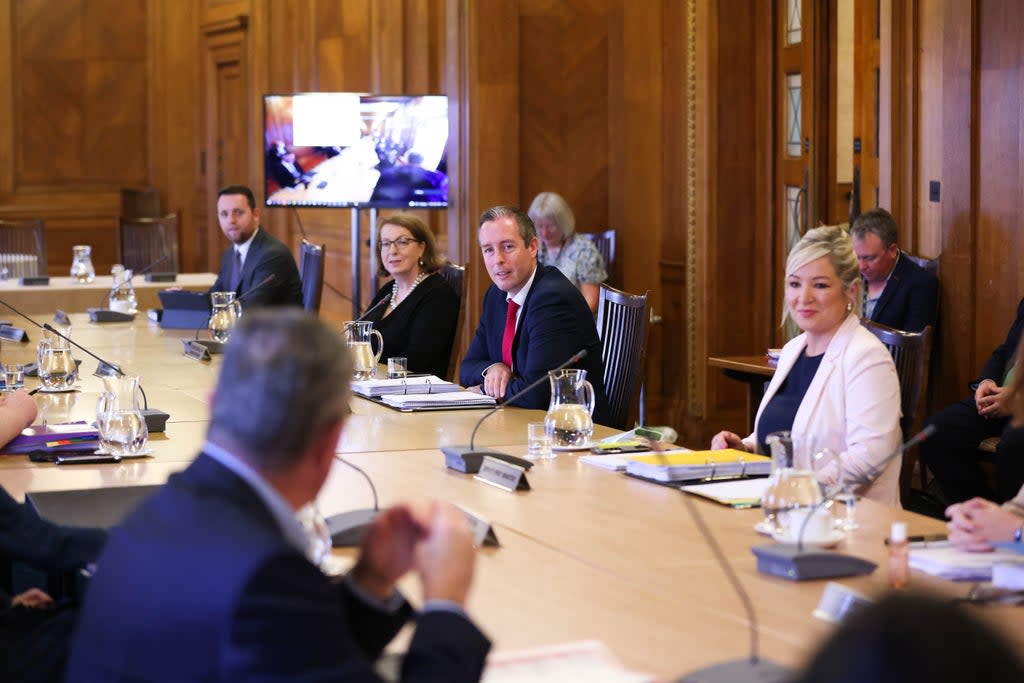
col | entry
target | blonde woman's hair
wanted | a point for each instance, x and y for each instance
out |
(834, 242)
(553, 207)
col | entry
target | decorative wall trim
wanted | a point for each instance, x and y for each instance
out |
(694, 402)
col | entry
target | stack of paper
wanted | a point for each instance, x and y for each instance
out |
(430, 384)
(737, 493)
(615, 463)
(453, 399)
(680, 465)
(944, 560)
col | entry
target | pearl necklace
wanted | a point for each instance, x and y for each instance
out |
(394, 290)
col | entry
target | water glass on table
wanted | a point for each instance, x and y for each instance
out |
(538, 442)
(398, 367)
(14, 376)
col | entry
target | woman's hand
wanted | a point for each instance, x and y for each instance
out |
(978, 523)
(728, 440)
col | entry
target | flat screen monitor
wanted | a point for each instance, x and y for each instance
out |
(355, 150)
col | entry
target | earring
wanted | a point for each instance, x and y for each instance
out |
(849, 306)
(421, 263)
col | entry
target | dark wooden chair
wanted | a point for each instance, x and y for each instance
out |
(311, 273)
(23, 247)
(910, 352)
(145, 241)
(929, 264)
(605, 243)
(455, 276)
(622, 323)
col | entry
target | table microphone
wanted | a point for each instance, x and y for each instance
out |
(156, 420)
(468, 458)
(791, 561)
(201, 348)
(387, 298)
(348, 528)
(103, 314)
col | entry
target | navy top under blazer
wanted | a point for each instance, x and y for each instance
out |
(555, 323)
(780, 412)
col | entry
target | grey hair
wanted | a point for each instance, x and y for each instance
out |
(878, 222)
(553, 207)
(527, 230)
(834, 242)
(285, 379)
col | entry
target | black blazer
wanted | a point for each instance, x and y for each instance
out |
(910, 298)
(422, 328)
(199, 584)
(267, 255)
(555, 323)
(998, 364)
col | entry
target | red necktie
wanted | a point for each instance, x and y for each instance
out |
(510, 333)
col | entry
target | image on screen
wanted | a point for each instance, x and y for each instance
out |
(350, 149)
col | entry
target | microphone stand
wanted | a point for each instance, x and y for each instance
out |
(468, 458)
(347, 528)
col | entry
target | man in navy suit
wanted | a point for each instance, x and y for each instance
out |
(953, 454)
(209, 579)
(897, 292)
(254, 255)
(533, 319)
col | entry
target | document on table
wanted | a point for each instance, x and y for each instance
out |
(737, 493)
(945, 561)
(587, 661)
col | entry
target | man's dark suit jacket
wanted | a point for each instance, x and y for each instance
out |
(267, 255)
(910, 298)
(199, 584)
(998, 364)
(555, 323)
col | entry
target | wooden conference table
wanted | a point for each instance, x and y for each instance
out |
(70, 296)
(586, 554)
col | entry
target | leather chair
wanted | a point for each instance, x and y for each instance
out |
(622, 323)
(910, 352)
(145, 241)
(311, 273)
(605, 243)
(455, 276)
(23, 247)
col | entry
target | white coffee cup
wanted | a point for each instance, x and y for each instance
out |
(818, 529)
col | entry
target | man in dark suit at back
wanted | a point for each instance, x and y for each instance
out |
(209, 579)
(897, 292)
(533, 319)
(254, 255)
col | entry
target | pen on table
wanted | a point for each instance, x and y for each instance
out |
(35, 391)
(922, 541)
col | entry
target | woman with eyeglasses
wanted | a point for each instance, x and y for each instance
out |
(577, 258)
(417, 311)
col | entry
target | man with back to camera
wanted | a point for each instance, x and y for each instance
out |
(254, 255)
(897, 292)
(209, 581)
(533, 319)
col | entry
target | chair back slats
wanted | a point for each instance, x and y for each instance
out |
(910, 353)
(929, 264)
(605, 243)
(455, 275)
(622, 321)
(311, 273)
(23, 247)
(144, 241)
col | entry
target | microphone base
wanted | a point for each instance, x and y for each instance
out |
(106, 315)
(156, 420)
(785, 561)
(348, 528)
(740, 671)
(468, 460)
(161, 277)
(214, 347)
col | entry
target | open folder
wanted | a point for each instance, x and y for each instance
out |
(682, 465)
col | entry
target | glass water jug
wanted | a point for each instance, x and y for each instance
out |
(81, 264)
(121, 425)
(122, 295)
(569, 422)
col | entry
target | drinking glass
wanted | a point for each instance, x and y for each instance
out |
(538, 443)
(847, 486)
(398, 367)
(14, 376)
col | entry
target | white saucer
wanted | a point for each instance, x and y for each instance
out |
(834, 538)
(140, 454)
(765, 528)
(47, 390)
(584, 447)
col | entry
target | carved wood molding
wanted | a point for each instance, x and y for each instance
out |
(694, 402)
(214, 28)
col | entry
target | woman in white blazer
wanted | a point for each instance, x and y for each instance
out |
(835, 386)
